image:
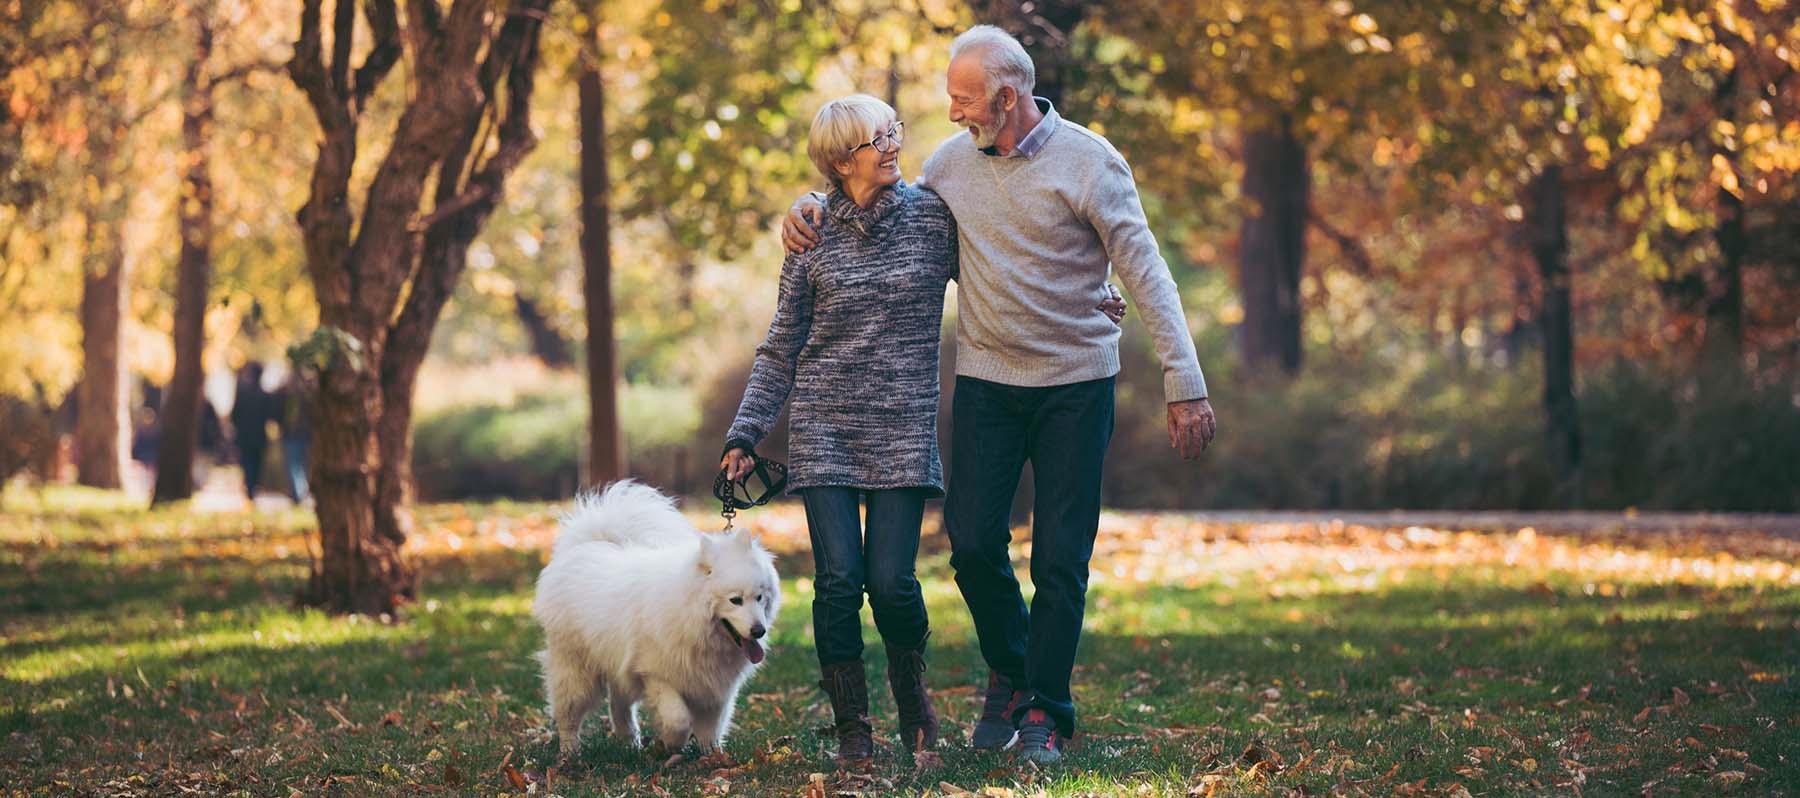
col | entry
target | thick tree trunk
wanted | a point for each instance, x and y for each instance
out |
(360, 571)
(606, 450)
(181, 402)
(103, 429)
(1547, 222)
(1272, 245)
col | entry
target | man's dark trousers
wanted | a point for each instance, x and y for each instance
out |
(1063, 432)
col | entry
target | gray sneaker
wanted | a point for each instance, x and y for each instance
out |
(995, 730)
(1039, 742)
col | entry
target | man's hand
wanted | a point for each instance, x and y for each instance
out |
(1113, 306)
(799, 231)
(1191, 427)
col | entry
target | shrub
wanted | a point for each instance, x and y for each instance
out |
(1375, 432)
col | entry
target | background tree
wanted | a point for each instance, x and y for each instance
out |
(1295, 82)
(180, 415)
(606, 444)
(369, 343)
(109, 107)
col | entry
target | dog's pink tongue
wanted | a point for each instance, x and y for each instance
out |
(753, 650)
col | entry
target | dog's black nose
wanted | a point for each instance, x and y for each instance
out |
(758, 631)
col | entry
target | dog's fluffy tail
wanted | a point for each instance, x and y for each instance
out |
(628, 513)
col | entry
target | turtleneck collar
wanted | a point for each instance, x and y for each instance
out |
(870, 222)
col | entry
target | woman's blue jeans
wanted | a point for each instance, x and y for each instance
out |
(847, 563)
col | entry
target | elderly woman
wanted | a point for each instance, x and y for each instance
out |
(855, 341)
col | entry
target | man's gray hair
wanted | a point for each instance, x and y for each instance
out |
(1003, 60)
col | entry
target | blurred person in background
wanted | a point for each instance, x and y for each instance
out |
(251, 413)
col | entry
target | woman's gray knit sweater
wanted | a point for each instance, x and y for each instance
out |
(855, 340)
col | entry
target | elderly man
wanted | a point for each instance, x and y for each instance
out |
(1043, 205)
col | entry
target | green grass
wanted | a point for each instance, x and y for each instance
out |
(158, 654)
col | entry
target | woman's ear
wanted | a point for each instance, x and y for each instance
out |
(844, 167)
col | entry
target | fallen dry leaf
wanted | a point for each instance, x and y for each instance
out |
(1726, 779)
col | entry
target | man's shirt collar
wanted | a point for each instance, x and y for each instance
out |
(1029, 146)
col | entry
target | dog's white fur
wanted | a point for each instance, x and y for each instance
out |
(634, 605)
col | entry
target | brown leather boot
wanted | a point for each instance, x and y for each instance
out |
(906, 675)
(848, 688)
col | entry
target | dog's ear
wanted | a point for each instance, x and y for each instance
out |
(742, 538)
(706, 555)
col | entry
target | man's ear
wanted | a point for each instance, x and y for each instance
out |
(1014, 93)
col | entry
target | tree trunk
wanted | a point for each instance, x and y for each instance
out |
(394, 439)
(181, 402)
(360, 571)
(1272, 245)
(606, 450)
(1548, 233)
(103, 429)
(1522, 327)
(1722, 344)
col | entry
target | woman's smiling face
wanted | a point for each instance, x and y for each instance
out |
(869, 167)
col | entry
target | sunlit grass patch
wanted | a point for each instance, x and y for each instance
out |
(151, 653)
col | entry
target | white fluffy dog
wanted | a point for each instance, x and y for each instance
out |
(639, 606)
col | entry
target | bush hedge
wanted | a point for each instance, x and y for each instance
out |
(1425, 434)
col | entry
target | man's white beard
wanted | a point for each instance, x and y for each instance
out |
(985, 138)
(990, 132)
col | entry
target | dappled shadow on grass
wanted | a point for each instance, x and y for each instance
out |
(1667, 686)
(146, 659)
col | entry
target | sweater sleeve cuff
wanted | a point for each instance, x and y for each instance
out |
(738, 443)
(1182, 386)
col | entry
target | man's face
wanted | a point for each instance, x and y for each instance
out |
(970, 106)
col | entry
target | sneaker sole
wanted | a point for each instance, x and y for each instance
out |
(1006, 746)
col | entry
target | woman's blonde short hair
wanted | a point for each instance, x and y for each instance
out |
(841, 124)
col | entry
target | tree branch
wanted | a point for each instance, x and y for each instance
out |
(1348, 245)
(343, 35)
(513, 53)
(308, 71)
(384, 23)
(325, 218)
(424, 24)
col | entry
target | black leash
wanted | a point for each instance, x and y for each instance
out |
(772, 476)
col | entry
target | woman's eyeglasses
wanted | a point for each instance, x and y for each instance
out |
(885, 142)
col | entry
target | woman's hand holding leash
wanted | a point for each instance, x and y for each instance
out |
(737, 464)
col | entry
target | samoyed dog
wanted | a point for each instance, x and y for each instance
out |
(639, 607)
